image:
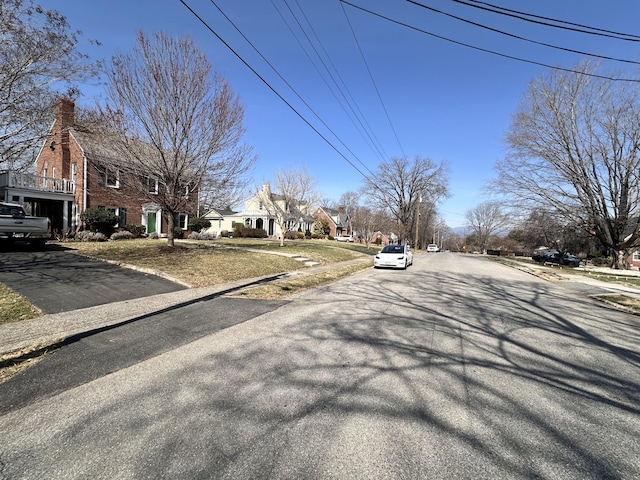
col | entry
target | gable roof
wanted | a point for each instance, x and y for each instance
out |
(219, 213)
(340, 219)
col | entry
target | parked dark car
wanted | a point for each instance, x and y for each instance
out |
(555, 257)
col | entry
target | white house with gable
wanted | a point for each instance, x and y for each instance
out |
(260, 212)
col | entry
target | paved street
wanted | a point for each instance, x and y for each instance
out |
(458, 367)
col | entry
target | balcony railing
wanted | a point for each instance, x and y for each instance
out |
(30, 181)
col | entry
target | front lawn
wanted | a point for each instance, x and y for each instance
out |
(14, 307)
(211, 263)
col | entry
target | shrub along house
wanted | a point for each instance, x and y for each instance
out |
(74, 155)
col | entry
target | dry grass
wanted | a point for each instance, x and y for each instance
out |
(285, 288)
(15, 362)
(212, 263)
(629, 303)
(199, 266)
(14, 307)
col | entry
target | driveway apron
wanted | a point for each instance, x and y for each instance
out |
(55, 280)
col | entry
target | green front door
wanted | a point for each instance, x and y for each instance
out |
(151, 222)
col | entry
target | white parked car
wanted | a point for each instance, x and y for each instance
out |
(432, 247)
(394, 256)
(344, 238)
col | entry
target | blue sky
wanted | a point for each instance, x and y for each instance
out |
(429, 97)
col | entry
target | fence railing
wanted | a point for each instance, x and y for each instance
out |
(30, 181)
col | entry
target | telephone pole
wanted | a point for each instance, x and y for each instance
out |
(418, 221)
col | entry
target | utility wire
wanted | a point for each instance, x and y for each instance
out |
(603, 57)
(522, 16)
(208, 27)
(375, 86)
(374, 139)
(323, 78)
(355, 112)
(492, 52)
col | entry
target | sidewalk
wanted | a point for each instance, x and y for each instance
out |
(55, 328)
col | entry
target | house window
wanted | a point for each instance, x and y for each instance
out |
(122, 216)
(109, 177)
(74, 172)
(636, 256)
(182, 220)
(152, 185)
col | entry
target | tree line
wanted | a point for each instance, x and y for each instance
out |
(573, 145)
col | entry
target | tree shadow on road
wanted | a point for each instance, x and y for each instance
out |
(493, 379)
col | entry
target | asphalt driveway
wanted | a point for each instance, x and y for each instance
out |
(57, 280)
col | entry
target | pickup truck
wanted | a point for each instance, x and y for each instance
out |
(15, 224)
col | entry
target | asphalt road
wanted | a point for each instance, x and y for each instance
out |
(455, 368)
(56, 280)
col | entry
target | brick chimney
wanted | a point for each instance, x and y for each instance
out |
(65, 113)
(65, 119)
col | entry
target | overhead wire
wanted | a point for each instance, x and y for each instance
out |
(486, 50)
(364, 121)
(375, 86)
(263, 80)
(522, 16)
(518, 37)
(356, 116)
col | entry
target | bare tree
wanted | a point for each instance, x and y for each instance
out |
(38, 53)
(485, 220)
(575, 151)
(226, 184)
(363, 221)
(350, 202)
(296, 197)
(176, 123)
(399, 184)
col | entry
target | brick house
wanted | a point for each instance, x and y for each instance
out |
(380, 238)
(338, 220)
(74, 155)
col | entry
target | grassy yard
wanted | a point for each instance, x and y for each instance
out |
(210, 263)
(14, 307)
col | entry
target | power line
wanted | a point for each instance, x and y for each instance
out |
(522, 16)
(375, 86)
(356, 113)
(603, 57)
(253, 70)
(485, 50)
